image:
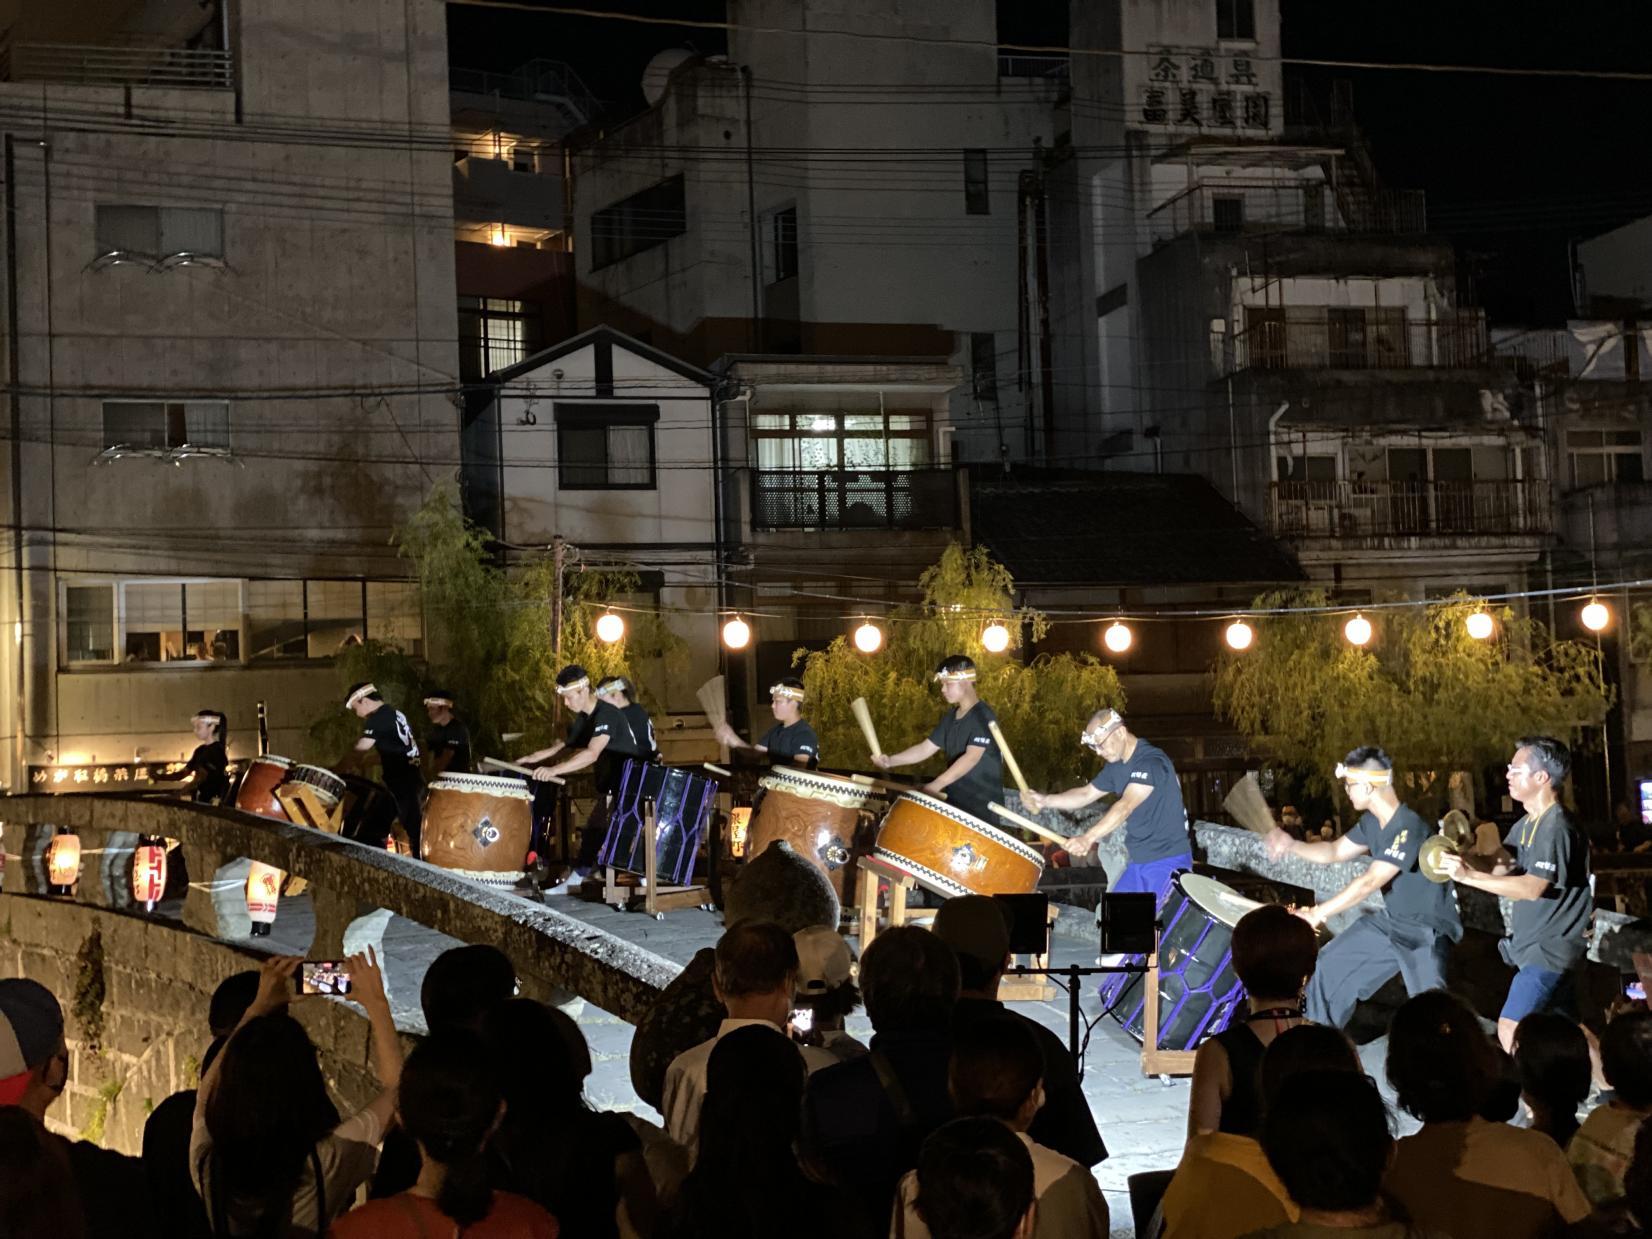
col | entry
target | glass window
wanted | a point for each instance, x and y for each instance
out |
(782, 237)
(640, 222)
(605, 447)
(134, 424)
(275, 619)
(197, 231)
(153, 618)
(89, 621)
(1598, 457)
(333, 611)
(155, 425)
(1236, 19)
(983, 365)
(212, 621)
(393, 615)
(977, 198)
(128, 229)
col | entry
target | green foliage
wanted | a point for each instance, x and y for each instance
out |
(1640, 634)
(488, 637)
(1041, 705)
(97, 1122)
(91, 990)
(1435, 698)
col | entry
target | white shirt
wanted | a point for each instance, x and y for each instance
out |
(685, 1083)
(1070, 1205)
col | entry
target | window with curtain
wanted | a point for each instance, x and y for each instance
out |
(159, 231)
(819, 442)
(606, 447)
(89, 623)
(166, 425)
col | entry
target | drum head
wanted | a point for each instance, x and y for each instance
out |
(1218, 899)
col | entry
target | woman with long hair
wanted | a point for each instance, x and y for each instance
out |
(37, 1192)
(451, 1104)
(268, 1154)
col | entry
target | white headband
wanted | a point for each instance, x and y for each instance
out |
(562, 690)
(438, 701)
(366, 690)
(959, 676)
(1111, 721)
(1375, 778)
(786, 691)
(614, 684)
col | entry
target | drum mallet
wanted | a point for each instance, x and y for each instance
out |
(863, 716)
(1009, 757)
(496, 764)
(1026, 823)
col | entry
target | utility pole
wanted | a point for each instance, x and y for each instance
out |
(559, 554)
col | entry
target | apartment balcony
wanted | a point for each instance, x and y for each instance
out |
(491, 190)
(1238, 205)
(1358, 339)
(864, 499)
(75, 64)
(1367, 511)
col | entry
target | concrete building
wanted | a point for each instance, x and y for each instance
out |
(230, 349)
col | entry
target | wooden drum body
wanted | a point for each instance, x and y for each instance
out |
(825, 818)
(479, 826)
(256, 794)
(951, 853)
(327, 786)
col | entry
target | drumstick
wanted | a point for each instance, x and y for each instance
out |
(714, 701)
(727, 774)
(1009, 757)
(863, 716)
(886, 785)
(496, 764)
(1026, 823)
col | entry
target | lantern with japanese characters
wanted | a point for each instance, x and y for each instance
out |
(264, 884)
(148, 871)
(63, 861)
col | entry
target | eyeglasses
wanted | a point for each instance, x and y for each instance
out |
(1521, 770)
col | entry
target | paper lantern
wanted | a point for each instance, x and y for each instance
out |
(610, 627)
(995, 638)
(1239, 635)
(868, 637)
(1118, 637)
(737, 634)
(1479, 625)
(1596, 616)
(1357, 630)
(264, 884)
(739, 829)
(63, 859)
(148, 872)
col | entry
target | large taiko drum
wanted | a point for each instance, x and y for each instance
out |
(256, 793)
(479, 826)
(327, 786)
(951, 853)
(824, 817)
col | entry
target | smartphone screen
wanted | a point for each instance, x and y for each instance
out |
(803, 1019)
(323, 976)
(1635, 991)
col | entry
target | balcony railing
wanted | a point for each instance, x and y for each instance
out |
(1409, 509)
(1019, 64)
(854, 499)
(1241, 205)
(74, 64)
(1360, 340)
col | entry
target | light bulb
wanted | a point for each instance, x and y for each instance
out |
(1239, 635)
(995, 638)
(1357, 630)
(868, 637)
(736, 634)
(1596, 616)
(1479, 625)
(610, 627)
(1117, 637)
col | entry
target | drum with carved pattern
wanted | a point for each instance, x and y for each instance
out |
(830, 820)
(951, 853)
(256, 793)
(479, 826)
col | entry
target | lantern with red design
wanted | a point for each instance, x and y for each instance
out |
(148, 871)
(63, 861)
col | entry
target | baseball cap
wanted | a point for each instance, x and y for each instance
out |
(31, 1031)
(974, 925)
(823, 960)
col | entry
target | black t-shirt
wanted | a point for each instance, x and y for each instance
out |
(642, 729)
(209, 763)
(1548, 932)
(451, 737)
(985, 782)
(1157, 829)
(1410, 898)
(788, 743)
(610, 721)
(398, 752)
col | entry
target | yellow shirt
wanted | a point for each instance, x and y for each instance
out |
(1224, 1188)
(1480, 1180)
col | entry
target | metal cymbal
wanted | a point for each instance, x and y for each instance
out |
(1434, 849)
(1457, 829)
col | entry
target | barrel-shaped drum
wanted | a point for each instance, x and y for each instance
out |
(256, 793)
(951, 853)
(327, 786)
(479, 826)
(824, 817)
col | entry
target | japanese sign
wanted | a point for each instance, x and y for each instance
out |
(1204, 89)
(111, 777)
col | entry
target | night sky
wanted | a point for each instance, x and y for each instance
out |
(1516, 168)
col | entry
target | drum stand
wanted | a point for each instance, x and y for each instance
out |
(1154, 1061)
(869, 922)
(650, 896)
(305, 808)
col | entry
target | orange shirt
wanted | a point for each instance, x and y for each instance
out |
(407, 1216)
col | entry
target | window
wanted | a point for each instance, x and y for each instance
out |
(165, 425)
(640, 222)
(89, 623)
(333, 616)
(275, 620)
(782, 245)
(977, 199)
(821, 442)
(160, 232)
(495, 332)
(1310, 468)
(393, 616)
(1236, 19)
(605, 446)
(181, 621)
(1227, 213)
(1598, 457)
(983, 364)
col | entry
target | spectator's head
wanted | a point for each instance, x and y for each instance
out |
(267, 1110)
(1441, 1063)
(1326, 1136)
(756, 972)
(34, 1059)
(996, 1070)
(978, 932)
(754, 1096)
(562, 1059)
(1305, 1049)
(1540, 764)
(825, 975)
(1552, 1056)
(1626, 1058)
(37, 1191)
(1274, 952)
(1637, 1178)
(909, 979)
(450, 1101)
(778, 885)
(462, 984)
(229, 1003)
(975, 1181)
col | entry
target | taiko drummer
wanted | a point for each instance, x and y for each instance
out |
(206, 777)
(1148, 807)
(974, 775)
(791, 739)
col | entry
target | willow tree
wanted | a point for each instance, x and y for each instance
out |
(488, 636)
(1434, 697)
(1041, 704)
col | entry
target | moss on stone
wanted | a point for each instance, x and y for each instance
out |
(91, 989)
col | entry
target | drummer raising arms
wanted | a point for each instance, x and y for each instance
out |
(619, 692)
(1148, 806)
(206, 777)
(974, 776)
(386, 729)
(1412, 935)
(447, 743)
(791, 739)
(1543, 868)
